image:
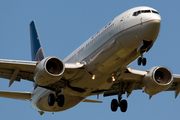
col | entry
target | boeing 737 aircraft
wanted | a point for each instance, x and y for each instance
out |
(98, 66)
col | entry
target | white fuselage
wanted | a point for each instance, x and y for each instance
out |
(107, 53)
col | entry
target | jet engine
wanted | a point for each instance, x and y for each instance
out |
(49, 71)
(157, 80)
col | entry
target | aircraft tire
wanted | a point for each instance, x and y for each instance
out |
(144, 61)
(60, 100)
(123, 105)
(114, 105)
(139, 61)
(51, 99)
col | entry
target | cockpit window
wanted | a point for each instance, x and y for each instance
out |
(155, 12)
(136, 13)
(144, 11)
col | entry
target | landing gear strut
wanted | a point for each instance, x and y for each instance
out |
(143, 47)
(56, 98)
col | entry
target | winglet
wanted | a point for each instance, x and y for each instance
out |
(37, 53)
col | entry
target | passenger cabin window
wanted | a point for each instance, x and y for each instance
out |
(144, 11)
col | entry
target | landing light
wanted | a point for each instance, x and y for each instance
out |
(93, 77)
(78, 63)
(113, 78)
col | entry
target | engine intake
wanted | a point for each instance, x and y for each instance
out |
(48, 71)
(54, 66)
(157, 80)
(162, 76)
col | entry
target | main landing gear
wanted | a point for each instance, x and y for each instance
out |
(60, 99)
(119, 103)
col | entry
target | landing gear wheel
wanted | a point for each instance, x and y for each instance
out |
(60, 100)
(139, 61)
(114, 105)
(123, 105)
(51, 99)
(144, 61)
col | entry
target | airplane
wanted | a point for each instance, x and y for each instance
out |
(99, 66)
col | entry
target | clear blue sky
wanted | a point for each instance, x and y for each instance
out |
(64, 25)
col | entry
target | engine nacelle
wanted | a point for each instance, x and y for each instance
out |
(48, 71)
(157, 80)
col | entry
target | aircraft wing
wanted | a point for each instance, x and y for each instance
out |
(16, 95)
(15, 70)
(132, 79)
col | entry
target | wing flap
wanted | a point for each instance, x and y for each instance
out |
(16, 95)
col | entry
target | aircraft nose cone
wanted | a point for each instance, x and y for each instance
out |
(152, 28)
(153, 18)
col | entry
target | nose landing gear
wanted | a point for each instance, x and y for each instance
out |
(142, 61)
(143, 47)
